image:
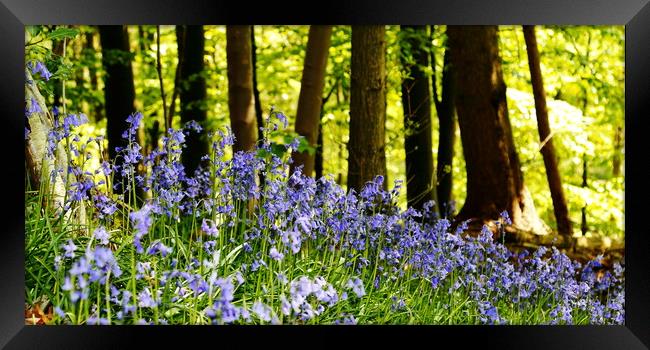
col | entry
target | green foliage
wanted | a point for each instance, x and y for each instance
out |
(583, 71)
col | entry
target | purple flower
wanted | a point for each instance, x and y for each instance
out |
(41, 69)
(69, 249)
(145, 299)
(142, 221)
(209, 228)
(262, 311)
(356, 284)
(101, 235)
(275, 255)
(158, 247)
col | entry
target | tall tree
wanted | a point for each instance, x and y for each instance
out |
(416, 102)
(366, 148)
(446, 111)
(241, 101)
(311, 91)
(548, 150)
(119, 93)
(89, 45)
(256, 92)
(494, 178)
(193, 95)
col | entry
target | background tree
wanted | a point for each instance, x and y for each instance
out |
(119, 93)
(545, 137)
(494, 178)
(193, 95)
(366, 147)
(241, 102)
(446, 111)
(311, 91)
(416, 102)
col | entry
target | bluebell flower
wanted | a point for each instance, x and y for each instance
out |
(356, 284)
(275, 255)
(262, 311)
(69, 248)
(40, 68)
(101, 235)
(209, 228)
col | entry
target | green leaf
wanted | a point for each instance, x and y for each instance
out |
(62, 33)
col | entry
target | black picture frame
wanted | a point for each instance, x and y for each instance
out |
(634, 14)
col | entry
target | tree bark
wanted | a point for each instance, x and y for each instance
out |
(92, 73)
(446, 111)
(311, 94)
(40, 164)
(494, 178)
(618, 149)
(193, 95)
(119, 92)
(259, 115)
(416, 102)
(241, 101)
(547, 149)
(366, 148)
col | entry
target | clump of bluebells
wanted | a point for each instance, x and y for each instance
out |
(219, 247)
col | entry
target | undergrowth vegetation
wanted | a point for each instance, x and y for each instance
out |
(220, 247)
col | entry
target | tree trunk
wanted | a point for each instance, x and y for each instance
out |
(583, 219)
(311, 94)
(92, 73)
(259, 115)
(618, 149)
(256, 97)
(40, 164)
(119, 92)
(446, 111)
(57, 49)
(416, 102)
(193, 95)
(548, 151)
(366, 148)
(241, 101)
(318, 157)
(494, 178)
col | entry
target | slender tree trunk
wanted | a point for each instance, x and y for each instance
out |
(180, 48)
(57, 49)
(259, 115)
(366, 148)
(311, 94)
(583, 222)
(118, 89)
(193, 95)
(618, 148)
(446, 111)
(318, 157)
(548, 150)
(92, 73)
(241, 101)
(494, 178)
(416, 101)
